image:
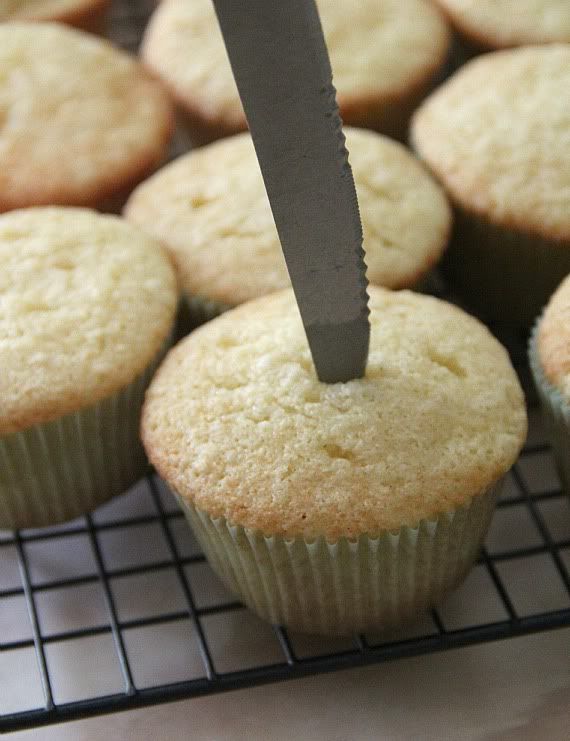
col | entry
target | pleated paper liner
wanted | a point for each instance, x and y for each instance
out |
(556, 412)
(362, 585)
(59, 470)
(506, 276)
(194, 311)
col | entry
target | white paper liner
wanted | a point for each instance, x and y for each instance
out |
(505, 275)
(62, 469)
(555, 409)
(204, 309)
(194, 311)
(348, 586)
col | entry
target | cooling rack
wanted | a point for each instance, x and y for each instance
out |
(119, 609)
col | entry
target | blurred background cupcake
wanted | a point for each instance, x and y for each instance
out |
(549, 354)
(497, 136)
(210, 209)
(81, 122)
(488, 25)
(88, 304)
(385, 55)
(86, 14)
(337, 508)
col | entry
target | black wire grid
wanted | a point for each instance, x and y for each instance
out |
(520, 585)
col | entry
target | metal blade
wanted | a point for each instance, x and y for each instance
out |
(282, 69)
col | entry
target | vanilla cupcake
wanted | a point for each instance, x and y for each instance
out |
(497, 135)
(385, 55)
(210, 209)
(86, 14)
(343, 507)
(486, 25)
(549, 353)
(81, 123)
(88, 304)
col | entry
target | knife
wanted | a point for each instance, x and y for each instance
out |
(282, 70)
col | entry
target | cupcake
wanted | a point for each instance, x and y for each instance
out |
(86, 14)
(385, 55)
(210, 209)
(343, 507)
(486, 25)
(88, 305)
(81, 123)
(549, 354)
(497, 135)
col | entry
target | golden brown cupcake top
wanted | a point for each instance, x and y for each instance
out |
(553, 340)
(496, 24)
(68, 11)
(86, 302)
(237, 422)
(378, 49)
(210, 209)
(78, 118)
(497, 135)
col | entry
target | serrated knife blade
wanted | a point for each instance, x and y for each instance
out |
(281, 65)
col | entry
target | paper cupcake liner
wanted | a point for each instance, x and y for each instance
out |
(348, 586)
(62, 469)
(462, 51)
(556, 412)
(505, 276)
(199, 128)
(194, 311)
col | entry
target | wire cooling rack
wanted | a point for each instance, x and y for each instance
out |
(119, 609)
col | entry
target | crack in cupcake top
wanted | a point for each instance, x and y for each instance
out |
(237, 422)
